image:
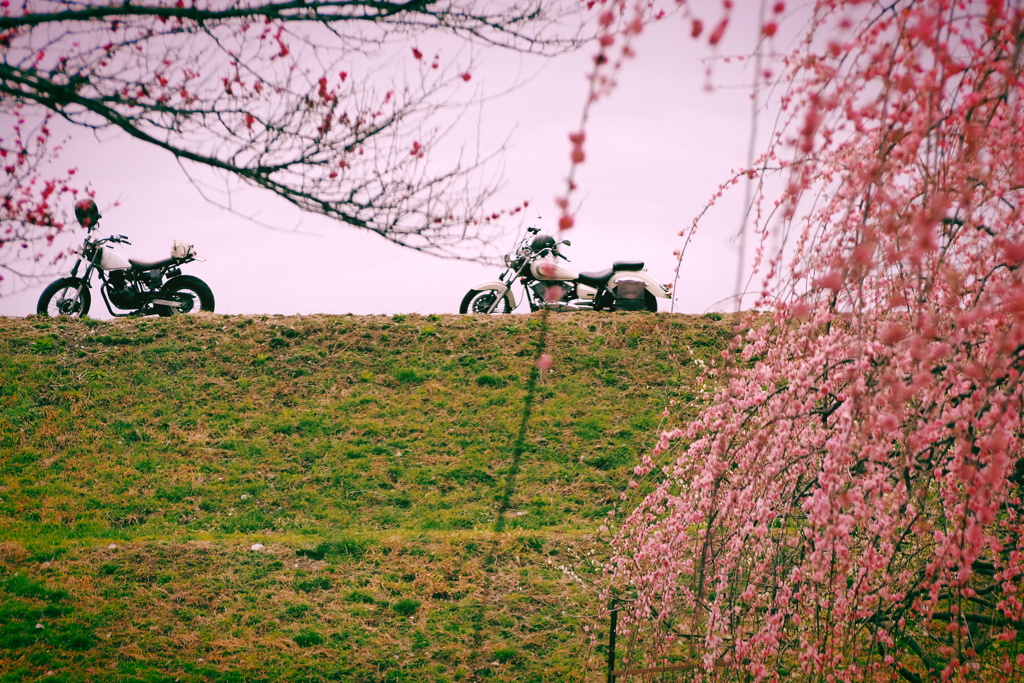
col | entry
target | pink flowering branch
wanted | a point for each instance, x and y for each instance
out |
(850, 506)
(618, 27)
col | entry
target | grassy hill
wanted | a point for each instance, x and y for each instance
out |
(407, 532)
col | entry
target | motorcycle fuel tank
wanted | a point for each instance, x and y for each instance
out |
(549, 269)
(111, 261)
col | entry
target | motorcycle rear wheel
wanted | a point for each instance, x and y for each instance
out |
(200, 293)
(478, 301)
(66, 296)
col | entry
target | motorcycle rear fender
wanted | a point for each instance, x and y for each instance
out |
(499, 286)
(649, 284)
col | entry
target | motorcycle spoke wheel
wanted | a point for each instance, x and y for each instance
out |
(479, 302)
(195, 296)
(67, 296)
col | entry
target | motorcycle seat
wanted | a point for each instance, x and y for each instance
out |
(150, 265)
(600, 278)
(597, 278)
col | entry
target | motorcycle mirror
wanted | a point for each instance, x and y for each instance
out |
(567, 243)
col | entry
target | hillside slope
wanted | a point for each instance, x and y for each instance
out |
(404, 535)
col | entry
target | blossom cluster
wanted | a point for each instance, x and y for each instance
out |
(850, 508)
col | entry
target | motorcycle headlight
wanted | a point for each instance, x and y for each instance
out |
(508, 261)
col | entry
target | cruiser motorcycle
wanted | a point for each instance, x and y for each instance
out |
(131, 287)
(548, 284)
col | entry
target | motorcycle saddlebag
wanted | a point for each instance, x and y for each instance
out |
(629, 295)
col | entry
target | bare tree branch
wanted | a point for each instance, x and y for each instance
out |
(289, 97)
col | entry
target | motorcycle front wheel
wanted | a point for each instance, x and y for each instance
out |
(200, 295)
(66, 296)
(481, 300)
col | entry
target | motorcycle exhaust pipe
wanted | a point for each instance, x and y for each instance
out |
(559, 306)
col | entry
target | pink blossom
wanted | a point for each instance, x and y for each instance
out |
(833, 281)
(716, 35)
(852, 484)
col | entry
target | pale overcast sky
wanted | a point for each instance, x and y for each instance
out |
(656, 151)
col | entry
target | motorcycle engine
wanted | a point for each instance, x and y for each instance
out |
(553, 290)
(121, 293)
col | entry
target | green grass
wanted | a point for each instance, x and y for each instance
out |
(140, 460)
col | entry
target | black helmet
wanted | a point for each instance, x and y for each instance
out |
(542, 242)
(87, 213)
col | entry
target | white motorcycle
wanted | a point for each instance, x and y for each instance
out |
(625, 286)
(134, 287)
